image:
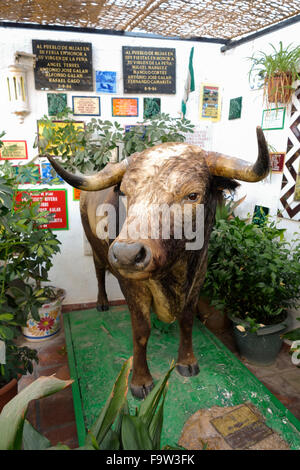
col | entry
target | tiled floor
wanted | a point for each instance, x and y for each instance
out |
(54, 416)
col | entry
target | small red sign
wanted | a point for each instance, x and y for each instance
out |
(277, 161)
(53, 201)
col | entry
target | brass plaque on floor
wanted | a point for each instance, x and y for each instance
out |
(241, 428)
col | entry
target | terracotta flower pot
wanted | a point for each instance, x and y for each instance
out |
(280, 88)
(7, 392)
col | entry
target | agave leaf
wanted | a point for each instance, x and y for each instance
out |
(156, 424)
(149, 405)
(113, 406)
(135, 435)
(32, 439)
(13, 414)
(60, 447)
(111, 441)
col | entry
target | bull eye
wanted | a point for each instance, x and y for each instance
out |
(192, 197)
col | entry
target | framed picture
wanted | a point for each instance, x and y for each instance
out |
(76, 194)
(79, 126)
(210, 102)
(49, 174)
(106, 82)
(14, 150)
(273, 119)
(277, 161)
(86, 105)
(259, 214)
(57, 103)
(33, 173)
(124, 107)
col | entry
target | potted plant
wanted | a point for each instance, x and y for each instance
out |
(212, 318)
(18, 361)
(279, 69)
(25, 259)
(26, 256)
(253, 276)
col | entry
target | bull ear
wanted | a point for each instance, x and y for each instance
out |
(109, 176)
(221, 183)
(231, 167)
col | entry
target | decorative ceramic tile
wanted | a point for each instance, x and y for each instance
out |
(235, 108)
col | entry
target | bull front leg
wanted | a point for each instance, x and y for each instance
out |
(102, 301)
(139, 299)
(187, 364)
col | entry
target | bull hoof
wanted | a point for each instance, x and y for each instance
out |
(141, 391)
(102, 308)
(188, 370)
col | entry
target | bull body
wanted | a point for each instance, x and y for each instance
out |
(156, 273)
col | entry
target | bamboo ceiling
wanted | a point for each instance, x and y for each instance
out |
(222, 19)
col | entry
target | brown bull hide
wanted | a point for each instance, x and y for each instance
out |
(159, 273)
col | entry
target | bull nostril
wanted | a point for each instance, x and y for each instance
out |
(129, 255)
(140, 256)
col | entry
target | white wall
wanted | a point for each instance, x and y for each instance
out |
(238, 137)
(73, 270)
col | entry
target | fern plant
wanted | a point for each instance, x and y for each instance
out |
(279, 69)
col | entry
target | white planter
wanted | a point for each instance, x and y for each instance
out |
(49, 324)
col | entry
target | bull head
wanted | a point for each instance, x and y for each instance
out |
(178, 179)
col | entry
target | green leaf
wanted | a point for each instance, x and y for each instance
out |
(6, 332)
(293, 335)
(111, 441)
(135, 435)
(114, 404)
(13, 414)
(149, 405)
(63, 447)
(32, 439)
(156, 424)
(6, 317)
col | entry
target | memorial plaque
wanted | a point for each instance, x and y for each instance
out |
(63, 65)
(149, 70)
(13, 150)
(86, 105)
(125, 107)
(54, 201)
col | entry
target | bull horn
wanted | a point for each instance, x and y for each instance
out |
(231, 167)
(109, 176)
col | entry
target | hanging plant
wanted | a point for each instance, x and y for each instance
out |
(279, 70)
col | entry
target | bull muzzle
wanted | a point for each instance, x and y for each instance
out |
(131, 259)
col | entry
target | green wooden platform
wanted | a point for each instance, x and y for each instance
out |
(99, 342)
